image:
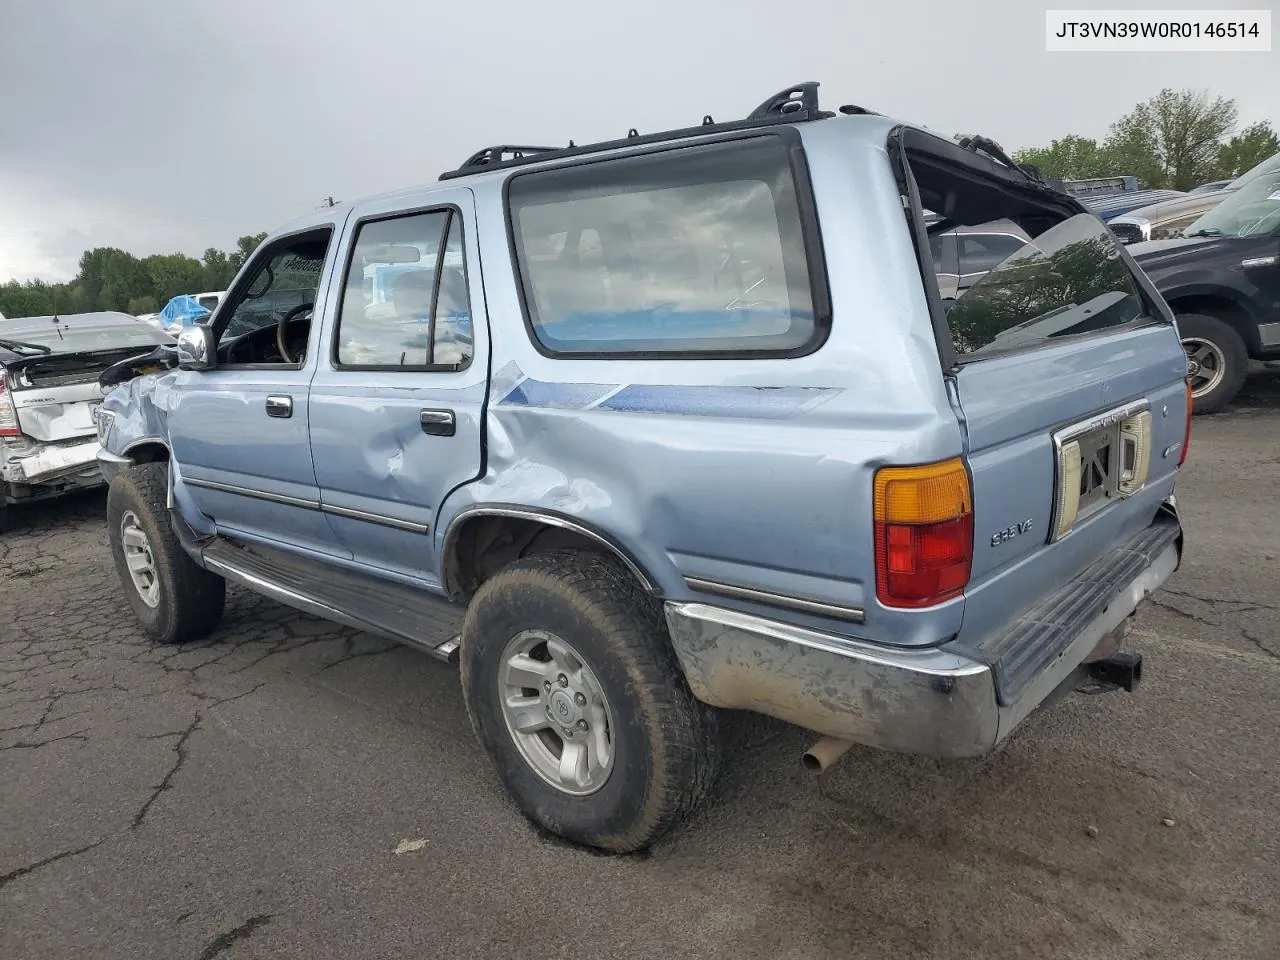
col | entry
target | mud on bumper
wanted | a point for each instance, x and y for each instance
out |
(946, 701)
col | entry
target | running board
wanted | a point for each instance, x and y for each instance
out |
(413, 617)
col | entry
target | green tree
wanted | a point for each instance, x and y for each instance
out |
(1070, 158)
(110, 276)
(113, 279)
(218, 269)
(1246, 150)
(174, 273)
(1173, 139)
(245, 247)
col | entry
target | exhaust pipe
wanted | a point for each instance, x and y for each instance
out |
(1123, 670)
(822, 755)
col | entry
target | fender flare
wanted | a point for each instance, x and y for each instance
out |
(552, 519)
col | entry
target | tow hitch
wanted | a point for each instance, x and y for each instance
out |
(1120, 671)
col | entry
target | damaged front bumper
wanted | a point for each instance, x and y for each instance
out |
(945, 701)
(41, 463)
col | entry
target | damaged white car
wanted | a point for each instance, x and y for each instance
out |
(49, 394)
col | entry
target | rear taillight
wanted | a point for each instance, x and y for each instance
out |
(923, 533)
(8, 412)
(1186, 437)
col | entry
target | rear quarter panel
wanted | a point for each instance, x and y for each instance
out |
(754, 472)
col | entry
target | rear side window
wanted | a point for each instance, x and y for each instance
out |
(1066, 281)
(693, 251)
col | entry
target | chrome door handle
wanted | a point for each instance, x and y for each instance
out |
(438, 423)
(278, 406)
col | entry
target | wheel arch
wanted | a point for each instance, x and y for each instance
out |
(484, 537)
(148, 450)
(1223, 304)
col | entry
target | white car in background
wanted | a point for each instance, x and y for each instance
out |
(49, 393)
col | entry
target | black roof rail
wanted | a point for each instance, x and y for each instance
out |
(796, 104)
(499, 153)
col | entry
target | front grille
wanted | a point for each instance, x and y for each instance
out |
(1127, 232)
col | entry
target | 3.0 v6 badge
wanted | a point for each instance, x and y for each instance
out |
(1008, 533)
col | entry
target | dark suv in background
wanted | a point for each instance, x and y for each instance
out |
(1222, 279)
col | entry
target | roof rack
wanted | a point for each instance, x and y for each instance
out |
(796, 104)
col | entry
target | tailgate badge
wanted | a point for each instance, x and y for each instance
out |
(1008, 533)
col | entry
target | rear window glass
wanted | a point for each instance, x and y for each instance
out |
(1066, 281)
(694, 250)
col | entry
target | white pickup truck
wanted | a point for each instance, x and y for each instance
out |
(49, 392)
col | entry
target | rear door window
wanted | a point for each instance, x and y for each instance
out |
(405, 305)
(691, 251)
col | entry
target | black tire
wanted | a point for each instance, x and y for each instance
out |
(190, 599)
(665, 742)
(1229, 346)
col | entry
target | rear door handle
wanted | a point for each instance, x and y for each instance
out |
(278, 406)
(438, 423)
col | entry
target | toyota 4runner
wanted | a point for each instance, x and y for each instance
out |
(643, 429)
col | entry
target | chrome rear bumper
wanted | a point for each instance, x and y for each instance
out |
(942, 701)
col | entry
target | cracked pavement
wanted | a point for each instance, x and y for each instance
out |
(244, 796)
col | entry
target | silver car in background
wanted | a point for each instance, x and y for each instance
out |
(1167, 219)
(49, 393)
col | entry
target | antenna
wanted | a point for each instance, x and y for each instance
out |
(328, 202)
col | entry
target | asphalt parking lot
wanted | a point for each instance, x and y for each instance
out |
(294, 789)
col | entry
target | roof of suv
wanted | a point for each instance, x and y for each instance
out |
(793, 107)
(871, 127)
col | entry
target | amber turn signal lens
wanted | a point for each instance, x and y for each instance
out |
(923, 533)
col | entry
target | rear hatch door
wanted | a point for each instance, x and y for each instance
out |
(1069, 381)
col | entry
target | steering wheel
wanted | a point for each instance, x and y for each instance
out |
(283, 324)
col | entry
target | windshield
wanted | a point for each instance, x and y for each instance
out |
(82, 334)
(1264, 169)
(1251, 211)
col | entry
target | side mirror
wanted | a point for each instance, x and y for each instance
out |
(196, 348)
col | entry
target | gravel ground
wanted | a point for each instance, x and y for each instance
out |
(247, 796)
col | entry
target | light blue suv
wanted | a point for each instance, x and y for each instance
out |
(641, 430)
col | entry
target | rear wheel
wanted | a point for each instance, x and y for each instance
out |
(573, 689)
(172, 598)
(1218, 360)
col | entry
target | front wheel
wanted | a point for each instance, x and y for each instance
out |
(1217, 359)
(573, 689)
(172, 598)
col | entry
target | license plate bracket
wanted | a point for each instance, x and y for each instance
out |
(1100, 467)
(1098, 461)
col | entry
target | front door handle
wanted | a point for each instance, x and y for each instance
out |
(278, 406)
(438, 423)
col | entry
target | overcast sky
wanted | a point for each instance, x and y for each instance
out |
(163, 125)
